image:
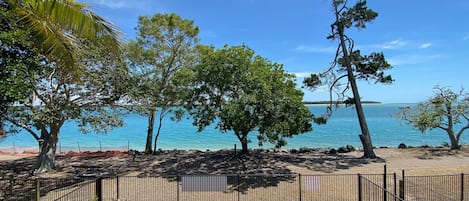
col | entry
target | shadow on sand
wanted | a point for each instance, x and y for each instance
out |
(261, 168)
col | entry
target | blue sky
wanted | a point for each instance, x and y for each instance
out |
(426, 42)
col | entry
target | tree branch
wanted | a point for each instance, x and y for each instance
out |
(461, 131)
(441, 127)
(465, 116)
(23, 126)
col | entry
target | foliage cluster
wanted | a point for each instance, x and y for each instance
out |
(446, 110)
(243, 93)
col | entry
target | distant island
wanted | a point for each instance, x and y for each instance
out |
(336, 102)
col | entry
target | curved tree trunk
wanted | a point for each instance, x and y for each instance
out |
(365, 137)
(47, 148)
(160, 123)
(454, 142)
(151, 123)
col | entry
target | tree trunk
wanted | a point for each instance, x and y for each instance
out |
(2, 131)
(365, 137)
(158, 131)
(245, 150)
(243, 138)
(47, 147)
(151, 122)
(453, 140)
(450, 129)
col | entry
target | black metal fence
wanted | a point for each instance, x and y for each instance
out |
(436, 188)
(353, 187)
(370, 190)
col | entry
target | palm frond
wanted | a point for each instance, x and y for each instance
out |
(56, 25)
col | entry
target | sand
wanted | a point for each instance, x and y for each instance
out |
(148, 171)
(416, 161)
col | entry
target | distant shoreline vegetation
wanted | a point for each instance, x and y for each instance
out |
(336, 102)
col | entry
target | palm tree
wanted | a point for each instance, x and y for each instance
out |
(56, 26)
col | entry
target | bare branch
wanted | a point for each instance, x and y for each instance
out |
(460, 132)
(441, 127)
(343, 7)
(465, 116)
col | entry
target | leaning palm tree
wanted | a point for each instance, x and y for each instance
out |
(56, 26)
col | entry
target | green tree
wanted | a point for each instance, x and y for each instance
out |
(57, 98)
(244, 93)
(349, 64)
(18, 60)
(57, 25)
(446, 110)
(164, 45)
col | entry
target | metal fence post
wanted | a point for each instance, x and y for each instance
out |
(359, 187)
(239, 187)
(462, 186)
(385, 184)
(299, 184)
(395, 186)
(99, 189)
(38, 189)
(117, 186)
(402, 186)
(177, 187)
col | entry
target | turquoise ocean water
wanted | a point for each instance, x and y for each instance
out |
(341, 129)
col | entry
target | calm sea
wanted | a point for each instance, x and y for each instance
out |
(341, 129)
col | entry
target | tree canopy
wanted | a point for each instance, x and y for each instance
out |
(165, 44)
(40, 97)
(446, 110)
(350, 65)
(18, 60)
(57, 98)
(245, 93)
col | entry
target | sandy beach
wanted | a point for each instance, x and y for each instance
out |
(418, 161)
(149, 171)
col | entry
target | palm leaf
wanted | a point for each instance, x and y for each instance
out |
(56, 25)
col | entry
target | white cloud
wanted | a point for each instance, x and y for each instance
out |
(312, 49)
(425, 45)
(395, 44)
(302, 74)
(413, 59)
(390, 45)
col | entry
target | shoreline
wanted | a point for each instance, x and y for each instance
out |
(319, 150)
(28, 150)
(342, 128)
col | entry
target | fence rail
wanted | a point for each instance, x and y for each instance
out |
(435, 188)
(371, 191)
(353, 187)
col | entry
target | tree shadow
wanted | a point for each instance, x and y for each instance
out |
(261, 168)
(429, 153)
(327, 163)
(243, 171)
